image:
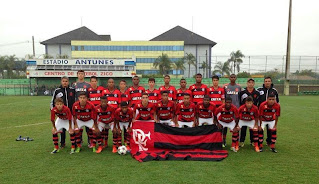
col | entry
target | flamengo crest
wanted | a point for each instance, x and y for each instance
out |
(139, 138)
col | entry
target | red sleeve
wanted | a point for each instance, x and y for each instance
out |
(52, 115)
(93, 113)
(278, 110)
(174, 94)
(69, 114)
(256, 112)
(116, 117)
(73, 109)
(236, 112)
(217, 111)
(177, 109)
(214, 109)
(223, 93)
(134, 110)
(261, 110)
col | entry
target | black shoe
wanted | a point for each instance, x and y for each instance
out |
(19, 138)
(274, 150)
(62, 146)
(261, 150)
(26, 139)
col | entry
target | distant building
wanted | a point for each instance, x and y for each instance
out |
(195, 44)
(82, 43)
(61, 45)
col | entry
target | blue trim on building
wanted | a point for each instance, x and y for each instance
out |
(127, 48)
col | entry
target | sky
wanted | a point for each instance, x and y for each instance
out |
(256, 27)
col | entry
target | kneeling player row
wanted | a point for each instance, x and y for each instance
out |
(186, 114)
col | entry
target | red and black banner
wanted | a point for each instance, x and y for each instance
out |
(154, 141)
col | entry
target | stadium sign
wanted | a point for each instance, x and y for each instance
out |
(83, 61)
(55, 73)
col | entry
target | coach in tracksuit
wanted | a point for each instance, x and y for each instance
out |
(248, 91)
(67, 93)
(264, 92)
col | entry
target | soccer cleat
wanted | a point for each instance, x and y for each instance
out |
(62, 146)
(90, 145)
(77, 150)
(99, 150)
(274, 150)
(94, 149)
(237, 148)
(224, 143)
(114, 149)
(261, 150)
(257, 149)
(241, 144)
(105, 145)
(55, 151)
(72, 151)
(128, 149)
(19, 138)
(233, 149)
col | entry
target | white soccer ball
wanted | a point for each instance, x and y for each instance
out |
(121, 150)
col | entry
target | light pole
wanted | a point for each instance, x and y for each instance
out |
(286, 83)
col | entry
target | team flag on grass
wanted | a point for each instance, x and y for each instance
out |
(154, 141)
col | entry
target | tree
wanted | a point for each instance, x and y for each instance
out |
(179, 65)
(222, 68)
(2, 65)
(163, 63)
(235, 60)
(190, 60)
(243, 75)
(204, 67)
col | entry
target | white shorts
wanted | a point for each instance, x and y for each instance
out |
(270, 124)
(230, 125)
(123, 125)
(187, 124)
(249, 124)
(102, 126)
(169, 122)
(60, 124)
(88, 124)
(208, 121)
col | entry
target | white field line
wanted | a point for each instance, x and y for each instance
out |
(24, 125)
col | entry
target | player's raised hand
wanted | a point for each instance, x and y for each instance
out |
(71, 131)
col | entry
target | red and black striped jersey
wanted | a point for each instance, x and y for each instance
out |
(198, 93)
(105, 116)
(153, 96)
(124, 97)
(180, 95)
(186, 113)
(225, 115)
(144, 113)
(135, 94)
(248, 114)
(95, 95)
(269, 113)
(171, 92)
(113, 97)
(204, 112)
(64, 114)
(84, 114)
(165, 111)
(216, 95)
(120, 116)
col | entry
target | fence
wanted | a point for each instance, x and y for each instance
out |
(47, 86)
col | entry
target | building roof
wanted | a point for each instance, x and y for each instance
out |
(179, 33)
(82, 33)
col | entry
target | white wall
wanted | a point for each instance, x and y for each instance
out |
(199, 51)
(54, 50)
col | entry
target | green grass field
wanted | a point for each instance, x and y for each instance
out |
(297, 160)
